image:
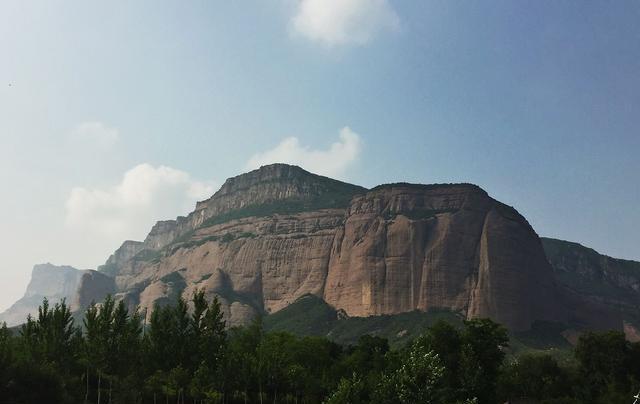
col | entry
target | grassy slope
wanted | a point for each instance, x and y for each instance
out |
(310, 315)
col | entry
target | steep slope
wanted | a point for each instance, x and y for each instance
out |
(270, 236)
(406, 247)
(258, 243)
(47, 281)
(613, 283)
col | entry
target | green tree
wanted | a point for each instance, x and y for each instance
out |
(350, 391)
(482, 354)
(446, 341)
(242, 368)
(605, 366)
(212, 336)
(6, 356)
(98, 322)
(274, 358)
(52, 336)
(416, 381)
(534, 376)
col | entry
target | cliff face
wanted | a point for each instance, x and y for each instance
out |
(607, 282)
(47, 281)
(258, 192)
(259, 243)
(270, 236)
(93, 286)
(406, 248)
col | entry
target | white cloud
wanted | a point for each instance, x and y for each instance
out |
(127, 210)
(331, 162)
(96, 133)
(339, 22)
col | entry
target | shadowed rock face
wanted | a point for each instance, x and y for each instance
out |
(611, 285)
(93, 287)
(270, 236)
(47, 281)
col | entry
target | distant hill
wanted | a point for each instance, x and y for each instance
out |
(47, 281)
(613, 282)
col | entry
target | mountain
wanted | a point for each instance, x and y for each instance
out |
(276, 234)
(614, 283)
(47, 281)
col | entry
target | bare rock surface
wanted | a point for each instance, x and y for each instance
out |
(407, 247)
(603, 289)
(93, 287)
(275, 234)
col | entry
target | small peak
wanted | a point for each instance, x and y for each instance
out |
(277, 173)
(271, 172)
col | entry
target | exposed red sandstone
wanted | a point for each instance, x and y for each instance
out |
(278, 233)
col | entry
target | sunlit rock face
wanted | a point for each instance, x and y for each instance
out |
(407, 247)
(47, 281)
(273, 235)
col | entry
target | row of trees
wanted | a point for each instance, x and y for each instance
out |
(185, 354)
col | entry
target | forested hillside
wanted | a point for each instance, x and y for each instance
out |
(185, 354)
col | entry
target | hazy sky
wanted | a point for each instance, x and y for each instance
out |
(116, 114)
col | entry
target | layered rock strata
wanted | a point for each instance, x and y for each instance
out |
(277, 233)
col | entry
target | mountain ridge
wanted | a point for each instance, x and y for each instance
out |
(275, 234)
(269, 236)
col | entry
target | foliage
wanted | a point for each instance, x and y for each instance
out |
(310, 315)
(186, 354)
(416, 380)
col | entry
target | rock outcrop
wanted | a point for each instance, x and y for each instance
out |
(275, 234)
(610, 286)
(47, 281)
(407, 247)
(93, 287)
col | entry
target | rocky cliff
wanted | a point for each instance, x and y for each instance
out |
(611, 283)
(275, 234)
(47, 281)
(412, 247)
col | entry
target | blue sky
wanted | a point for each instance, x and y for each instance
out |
(117, 114)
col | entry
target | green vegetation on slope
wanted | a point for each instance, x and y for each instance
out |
(285, 207)
(312, 316)
(185, 354)
(332, 194)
